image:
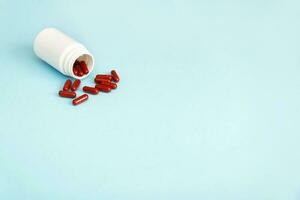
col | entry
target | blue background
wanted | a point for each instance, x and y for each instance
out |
(207, 107)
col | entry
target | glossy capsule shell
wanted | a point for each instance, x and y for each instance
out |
(115, 76)
(90, 90)
(103, 88)
(80, 72)
(108, 83)
(67, 94)
(84, 67)
(67, 85)
(80, 99)
(77, 70)
(100, 80)
(103, 76)
(75, 85)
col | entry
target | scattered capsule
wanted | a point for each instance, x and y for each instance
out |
(84, 67)
(102, 76)
(104, 83)
(108, 83)
(103, 88)
(80, 99)
(67, 85)
(67, 94)
(115, 76)
(90, 90)
(100, 80)
(75, 85)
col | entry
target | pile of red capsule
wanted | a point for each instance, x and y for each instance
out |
(104, 83)
(80, 68)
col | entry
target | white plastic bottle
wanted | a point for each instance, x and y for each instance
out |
(61, 51)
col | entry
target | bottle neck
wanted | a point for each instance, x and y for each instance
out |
(69, 57)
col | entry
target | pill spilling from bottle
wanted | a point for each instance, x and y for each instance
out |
(103, 83)
(80, 68)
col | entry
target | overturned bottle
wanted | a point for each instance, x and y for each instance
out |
(62, 52)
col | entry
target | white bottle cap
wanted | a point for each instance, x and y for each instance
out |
(60, 51)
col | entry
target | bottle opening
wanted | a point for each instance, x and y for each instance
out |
(84, 64)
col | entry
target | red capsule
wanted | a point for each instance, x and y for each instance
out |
(67, 85)
(90, 90)
(102, 76)
(100, 80)
(67, 94)
(80, 99)
(80, 72)
(108, 83)
(84, 67)
(115, 76)
(103, 88)
(75, 85)
(75, 70)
